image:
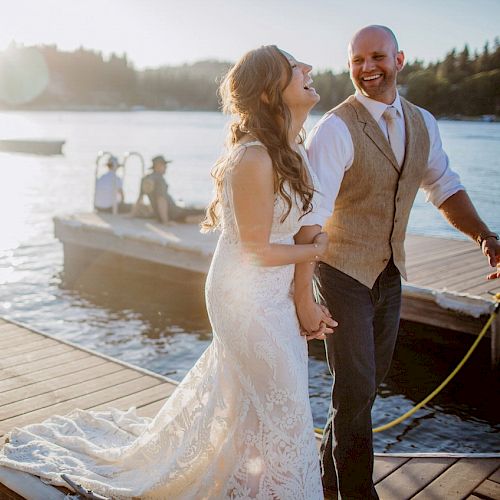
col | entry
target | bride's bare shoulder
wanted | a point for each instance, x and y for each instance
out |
(254, 166)
(254, 156)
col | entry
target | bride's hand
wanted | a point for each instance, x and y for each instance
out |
(321, 243)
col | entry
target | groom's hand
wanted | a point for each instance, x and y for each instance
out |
(491, 249)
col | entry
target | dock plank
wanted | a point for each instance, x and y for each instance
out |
(386, 465)
(459, 480)
(12, 331)
(407, 480)
(35, 385)
(31, 346)
(447, 277)
(453, 254)
(6, 327)
(495, 476)
(15, 334)
(106, 395)
(17, 337)
(417, 244)
(488, 489)
(56, 386)
(117, 375)
(66, 369)
(479, 287)
(48, 352)
(27, 368)
(441, 267)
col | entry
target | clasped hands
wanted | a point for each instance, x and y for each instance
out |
(316, 322)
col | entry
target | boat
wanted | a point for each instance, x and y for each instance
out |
(46, 147)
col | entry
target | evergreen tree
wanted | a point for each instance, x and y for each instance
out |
(464, 66)
(446, 69)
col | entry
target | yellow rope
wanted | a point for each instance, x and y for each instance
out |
(417, 407)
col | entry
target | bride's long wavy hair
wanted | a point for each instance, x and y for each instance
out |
(252, 91)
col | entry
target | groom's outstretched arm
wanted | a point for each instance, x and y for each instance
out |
(461, 213)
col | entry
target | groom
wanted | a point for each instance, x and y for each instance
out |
(371, 154)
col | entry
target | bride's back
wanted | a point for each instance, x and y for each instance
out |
(282, 229)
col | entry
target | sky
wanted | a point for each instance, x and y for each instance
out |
(167, 32)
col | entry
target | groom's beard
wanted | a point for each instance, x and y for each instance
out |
(383, 85)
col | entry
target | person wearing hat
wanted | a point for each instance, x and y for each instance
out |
(109, 190)
(162, 204)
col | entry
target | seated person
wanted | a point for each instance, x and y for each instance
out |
(109, 190)
(163, 205)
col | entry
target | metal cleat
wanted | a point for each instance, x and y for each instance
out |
(84, 492)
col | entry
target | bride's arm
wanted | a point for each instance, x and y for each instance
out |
(315, 319)
(252, 186)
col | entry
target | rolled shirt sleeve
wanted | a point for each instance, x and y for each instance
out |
(440, 181)
(330, 151)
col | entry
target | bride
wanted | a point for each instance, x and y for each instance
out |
(239, 425)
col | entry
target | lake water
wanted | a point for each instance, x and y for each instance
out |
(161, 326)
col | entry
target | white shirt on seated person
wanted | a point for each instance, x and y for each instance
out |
(107, 190)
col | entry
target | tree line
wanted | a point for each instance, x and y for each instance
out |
(462, 84)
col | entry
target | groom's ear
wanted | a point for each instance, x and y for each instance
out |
(400, 60)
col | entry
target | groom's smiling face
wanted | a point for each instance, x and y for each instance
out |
(374, 62)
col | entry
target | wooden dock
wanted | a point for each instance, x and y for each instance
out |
(41, 376)
(447, 284)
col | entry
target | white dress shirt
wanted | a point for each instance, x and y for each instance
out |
(107, 190)
(331, 153)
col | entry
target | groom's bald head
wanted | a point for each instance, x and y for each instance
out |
(374, 30)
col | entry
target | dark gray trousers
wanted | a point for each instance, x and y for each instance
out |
(359, 355)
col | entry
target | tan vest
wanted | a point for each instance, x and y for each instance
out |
(372, 208)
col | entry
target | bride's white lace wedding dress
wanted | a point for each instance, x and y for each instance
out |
(238, 426)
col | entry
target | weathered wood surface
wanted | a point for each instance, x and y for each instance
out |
(50, 376)
(41, 375)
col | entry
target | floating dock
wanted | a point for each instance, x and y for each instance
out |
(447, 284)
(41, 375)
